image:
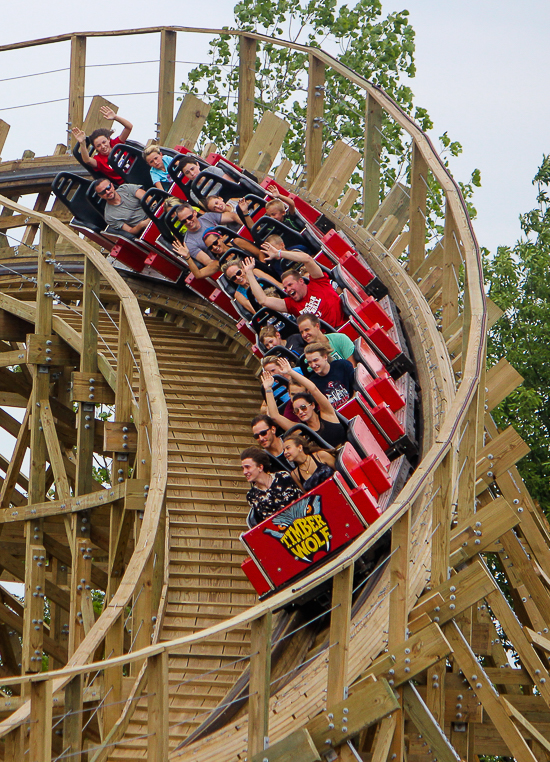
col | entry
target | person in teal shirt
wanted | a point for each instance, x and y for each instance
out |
(341, 345)
(158, 164)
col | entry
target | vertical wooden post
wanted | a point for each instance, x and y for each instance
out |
(441, 533)
(397, 627)
(247, 80)
(35, 554)
(40, 742)
(123, 409)
(88, 364)
(76, 86)
(315, 111)
(340, 625)
(157, 708)
(72, 722)
(259, 686)
(373, 150)
(417, 213)
(81, 615)
(59, 618)
(112, 678)
(451, 266)
(167, 80)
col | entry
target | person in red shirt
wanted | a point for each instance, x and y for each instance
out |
(102, 143)
(316, 297)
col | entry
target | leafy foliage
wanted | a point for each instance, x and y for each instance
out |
(518, 282)
(380, 49)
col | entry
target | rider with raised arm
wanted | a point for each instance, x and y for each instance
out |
(316, 297)
(103, 143)
(311, 406)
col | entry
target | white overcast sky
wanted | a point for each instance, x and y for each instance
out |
(482, 74)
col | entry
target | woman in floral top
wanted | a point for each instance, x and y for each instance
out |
(269, 492)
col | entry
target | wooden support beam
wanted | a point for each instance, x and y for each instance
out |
(265, 144)
(371, 158)
(518, 636)
(260, 684)
(281, 173)
(40, 740)
(94, 118)
(82, 616)
(18, 455)
(188, 123)
(72, 722)
(33, 619)
(396, 206)
(348, 200)
(335, 172)
(492, 703)
(427, 725)
(501, 380)
(112, 678)
(451, 270)
(55, 455)
(314, 118)
(4, 129)
(364, 707)
(59, 615)
(498, 456)
(417, 211)
(77, 80)
(167, 81)
(247, 81)
(467, 587)
(474, 534)
(409, 658)
(157, 708)
(340, 626)
(383, 740)
(398, 615)
(296, 746)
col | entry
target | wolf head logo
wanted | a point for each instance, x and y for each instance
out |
(302, 529)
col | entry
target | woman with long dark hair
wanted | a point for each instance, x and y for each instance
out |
(313, 465)
(311, 406)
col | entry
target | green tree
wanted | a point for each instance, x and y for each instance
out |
(518, 282)
(381, 49)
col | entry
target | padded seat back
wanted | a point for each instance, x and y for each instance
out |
(209, 183)
(71, 190)
(266, 226)
(266, 316)
(175, 170)
(152, 205)
(127, 160)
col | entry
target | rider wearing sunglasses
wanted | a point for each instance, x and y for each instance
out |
(236, 274)
(264, 431)
(311, 406)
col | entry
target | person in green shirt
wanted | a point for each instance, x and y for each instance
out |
(310, 330)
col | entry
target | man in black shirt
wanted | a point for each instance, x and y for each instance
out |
(332, 377)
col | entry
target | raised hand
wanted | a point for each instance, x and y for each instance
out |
(244, 205)
(284, 365)
(181, 249)
(107, 112)
(267, 380)
(272, 190)
(79, 134)
(270, 251)
(249, 264)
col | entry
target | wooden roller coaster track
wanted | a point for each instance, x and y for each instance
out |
(139, 637)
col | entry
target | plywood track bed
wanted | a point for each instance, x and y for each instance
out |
(139, 637)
